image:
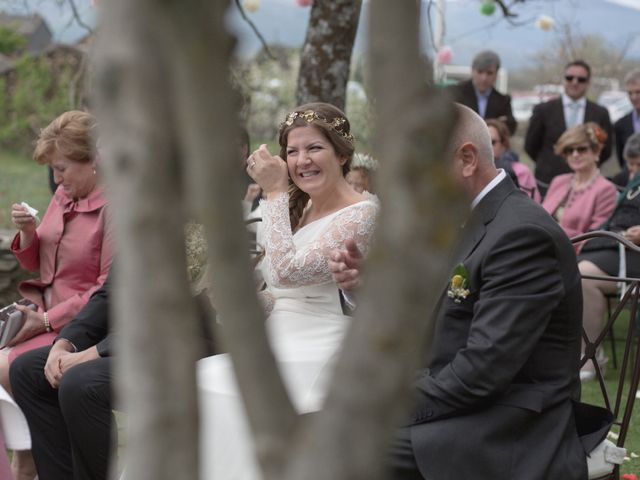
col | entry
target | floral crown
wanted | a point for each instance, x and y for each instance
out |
(338, 124)
(365, 161)
(596, 134)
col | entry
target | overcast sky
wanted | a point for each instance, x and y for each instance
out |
(466, 31)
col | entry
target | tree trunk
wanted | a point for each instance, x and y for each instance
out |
(405, 268)
(152, 309)
(326, 55)
(207, 126)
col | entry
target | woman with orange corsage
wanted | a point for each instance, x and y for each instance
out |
(581, 201)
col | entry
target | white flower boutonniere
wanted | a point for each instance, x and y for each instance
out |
(458, 284)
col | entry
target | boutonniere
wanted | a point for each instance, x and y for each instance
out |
(458, 284)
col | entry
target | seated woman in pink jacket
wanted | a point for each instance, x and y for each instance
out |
(505, 158)
(582, 200)
(71, 249)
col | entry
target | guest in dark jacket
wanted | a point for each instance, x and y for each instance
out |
(550, 119)
(479, 93)
(627, 125)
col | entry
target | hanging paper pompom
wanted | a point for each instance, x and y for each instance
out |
(545, 23)
(304, 3)
(251, 5)
(444, 55)
(488, 7)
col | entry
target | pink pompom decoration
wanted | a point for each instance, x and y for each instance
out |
(304, 3)
(444, 56)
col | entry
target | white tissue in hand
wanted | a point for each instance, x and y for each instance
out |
(32, 211)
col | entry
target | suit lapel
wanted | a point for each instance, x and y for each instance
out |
(476, 226)
(560, 114)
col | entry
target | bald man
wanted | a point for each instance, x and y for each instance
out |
(495, 402)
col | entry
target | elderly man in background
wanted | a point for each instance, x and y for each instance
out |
(479, 93)
(629, 124)
(550, 120)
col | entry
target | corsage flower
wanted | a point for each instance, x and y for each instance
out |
(458, 284)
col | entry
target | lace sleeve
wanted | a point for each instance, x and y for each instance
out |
(289, 267)
(265, 297)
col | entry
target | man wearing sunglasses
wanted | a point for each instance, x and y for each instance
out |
(552, 118)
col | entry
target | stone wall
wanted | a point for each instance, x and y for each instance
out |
(10, 272)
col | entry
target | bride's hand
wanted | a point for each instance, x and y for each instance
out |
(268, 171)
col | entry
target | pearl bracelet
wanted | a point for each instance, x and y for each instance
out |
(47, 325)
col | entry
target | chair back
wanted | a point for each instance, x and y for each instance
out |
(620, 394)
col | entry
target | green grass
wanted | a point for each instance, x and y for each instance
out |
(591, 394)
(21, 180)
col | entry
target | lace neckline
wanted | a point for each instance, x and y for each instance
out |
(369, 197)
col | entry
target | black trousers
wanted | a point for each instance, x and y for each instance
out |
(401, 462)
(71, 427)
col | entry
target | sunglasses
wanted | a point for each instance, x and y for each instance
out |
(571, 78)
(569, 150)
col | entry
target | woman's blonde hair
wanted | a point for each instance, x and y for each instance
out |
(590, 133)
(71, 134)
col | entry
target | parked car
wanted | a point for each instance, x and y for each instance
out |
(522, 104)
(617, 102)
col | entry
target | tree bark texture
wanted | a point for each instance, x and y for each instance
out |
(152, 309)
(420, 215)
(326, 54)
(171, 123)
(207, 114)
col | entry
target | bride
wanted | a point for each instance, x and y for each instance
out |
(309, 210)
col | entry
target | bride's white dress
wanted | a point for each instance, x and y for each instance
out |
(305, 327)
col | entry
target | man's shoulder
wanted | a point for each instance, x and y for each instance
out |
(597, 108)
(624, 121)
(500, 96)
(549, 107)
(519, 212)
(464, 88)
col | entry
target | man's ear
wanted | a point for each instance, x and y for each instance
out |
(468, 154)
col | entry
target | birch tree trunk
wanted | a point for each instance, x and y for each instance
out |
(326, 55)
(207, 127)
(152, 309)
(169, 118)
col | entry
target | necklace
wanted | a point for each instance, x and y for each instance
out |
(585, 185)
(633, 193)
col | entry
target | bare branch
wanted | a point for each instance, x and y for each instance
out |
(78, 18)
(255, 30)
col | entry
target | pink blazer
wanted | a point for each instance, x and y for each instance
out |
(526, 180)
(72, 250)
(584, 210)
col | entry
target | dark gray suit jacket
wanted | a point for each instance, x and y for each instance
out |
(498, 104)
(545, 127)
(623, 129)
(91, 325)
(497, 401)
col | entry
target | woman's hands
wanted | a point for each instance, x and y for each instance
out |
(268, 171)
(25, 222)
(33, 325)
(633, 234)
